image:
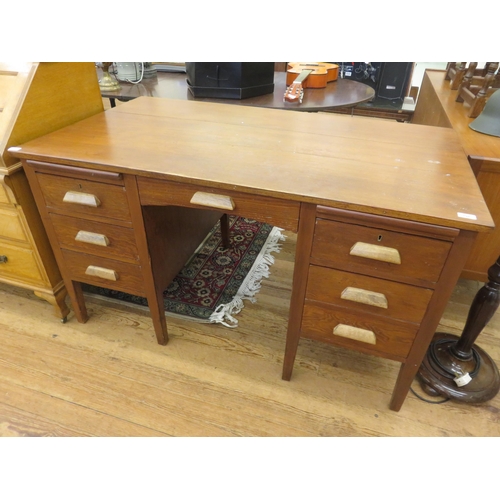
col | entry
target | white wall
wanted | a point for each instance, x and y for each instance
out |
(419, 70)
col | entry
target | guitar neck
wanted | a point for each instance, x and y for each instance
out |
(302, 76)
(294, 92)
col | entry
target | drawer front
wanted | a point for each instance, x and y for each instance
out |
(362, 332)
(366, 294)
(95, 238)
(3, 195)
(376, 252)
(84, 197)
(10, 225)
(18, 262)
(281, 213)
(103, 272)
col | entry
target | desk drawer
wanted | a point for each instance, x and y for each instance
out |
(84, 197)
(18, 263)
(10, 225)
(96, 238)
(378, 252)
(366, 294)
(274, 211)
(362, 332)
(3, 195)
(104, 272)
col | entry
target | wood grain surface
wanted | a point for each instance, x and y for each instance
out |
(401, 170)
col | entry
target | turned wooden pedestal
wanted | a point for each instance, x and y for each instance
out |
(452, 361)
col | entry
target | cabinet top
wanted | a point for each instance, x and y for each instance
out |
(38, 98)
(475, 144)
(406, 171)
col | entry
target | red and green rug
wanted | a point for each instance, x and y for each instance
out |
(215, 281)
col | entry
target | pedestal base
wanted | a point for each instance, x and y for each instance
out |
(439, 359)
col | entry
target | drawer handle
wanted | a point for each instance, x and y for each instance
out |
(353, 333)
(375, 252)
(213, 200)
(92, 238)
(102, 272)
(3, 259)
(87, 199)
(365, 297)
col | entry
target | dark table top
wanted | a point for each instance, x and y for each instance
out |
(173, 85)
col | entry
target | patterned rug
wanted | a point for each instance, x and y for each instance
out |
(215, 281)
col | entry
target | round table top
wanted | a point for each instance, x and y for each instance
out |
(342, 93)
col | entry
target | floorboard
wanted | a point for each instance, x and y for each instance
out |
(109, 377)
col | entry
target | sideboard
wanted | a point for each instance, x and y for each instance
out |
(436, 105)
(35, 99)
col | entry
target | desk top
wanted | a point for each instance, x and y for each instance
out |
(381, 167)
(475, 144)
(174, 86)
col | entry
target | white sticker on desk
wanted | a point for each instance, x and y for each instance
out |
(466, 216)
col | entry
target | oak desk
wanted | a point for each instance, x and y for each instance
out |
(386, 213)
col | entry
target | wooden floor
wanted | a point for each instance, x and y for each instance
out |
(109, 377)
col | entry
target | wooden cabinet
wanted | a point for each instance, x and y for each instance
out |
(437, 106)
(35, 99)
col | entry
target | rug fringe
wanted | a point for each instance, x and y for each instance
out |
(224, 313)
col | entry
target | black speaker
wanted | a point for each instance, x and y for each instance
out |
(394, 80)
(230, 80)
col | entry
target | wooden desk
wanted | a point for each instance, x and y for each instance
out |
(345, 93)
(436, 105)
(385, 213)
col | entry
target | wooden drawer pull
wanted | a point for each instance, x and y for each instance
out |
(87, 199)
(212, 200)
(92, 238)
(375, 252)
(365, 297)
(359, 334)
(102, 272)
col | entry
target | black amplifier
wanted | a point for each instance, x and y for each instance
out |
(390, 80)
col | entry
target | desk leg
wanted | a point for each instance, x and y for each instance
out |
(75, 293)
(301, 268)
(154, 290)
(157, 312)
(444, 288)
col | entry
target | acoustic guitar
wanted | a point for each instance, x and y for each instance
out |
(301, 75)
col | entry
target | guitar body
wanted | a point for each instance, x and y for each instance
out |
(320, 74)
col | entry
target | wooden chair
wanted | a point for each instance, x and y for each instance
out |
(475, 88)
(455, 72)
(224, 229)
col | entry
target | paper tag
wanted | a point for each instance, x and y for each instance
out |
(466, 216)
(462, 380)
